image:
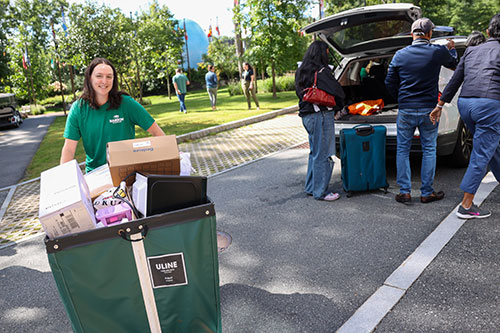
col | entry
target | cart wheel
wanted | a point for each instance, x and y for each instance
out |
(349, 194)
(385, 190)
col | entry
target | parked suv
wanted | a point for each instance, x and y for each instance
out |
(372, 35)
(9, 116)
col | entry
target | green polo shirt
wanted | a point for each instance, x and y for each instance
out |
(181, 81)
(97, 127)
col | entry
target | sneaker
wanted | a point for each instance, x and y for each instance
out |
(258, 108)
(474, 212)
(331, 197)
(403, 197)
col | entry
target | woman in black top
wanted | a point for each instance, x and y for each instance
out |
(318, 120)
(248, 85)
(478, 72)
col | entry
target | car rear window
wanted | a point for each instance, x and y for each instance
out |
(359, 34)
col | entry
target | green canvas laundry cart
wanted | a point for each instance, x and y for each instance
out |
(155, 274)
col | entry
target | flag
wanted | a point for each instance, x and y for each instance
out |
(217, 29)
(321, 9)
(209, 31)
(185, 31)
(26, 59)
(236, 2)
(64, 26)
(52, 64)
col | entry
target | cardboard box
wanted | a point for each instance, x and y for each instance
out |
(98, 181)
(65, 204)
(158, 155)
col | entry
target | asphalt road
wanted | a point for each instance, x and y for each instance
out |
(18, 146)
(301, 265)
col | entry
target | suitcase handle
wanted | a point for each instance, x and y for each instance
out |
(364, 130)
(125, 234)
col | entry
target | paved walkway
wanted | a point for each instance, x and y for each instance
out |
(210, 154)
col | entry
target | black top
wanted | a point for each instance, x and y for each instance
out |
(247, 75)
(327, 83)
(479, 70)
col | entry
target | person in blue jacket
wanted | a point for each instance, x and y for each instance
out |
(211, 81)
(412, 78)
(479, 105)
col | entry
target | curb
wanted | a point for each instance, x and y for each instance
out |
(234, 124)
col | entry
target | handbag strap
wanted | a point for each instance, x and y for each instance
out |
(315, 79)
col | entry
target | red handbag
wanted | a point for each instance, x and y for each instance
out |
(314, 95)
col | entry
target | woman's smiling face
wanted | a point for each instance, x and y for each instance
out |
(102, 80)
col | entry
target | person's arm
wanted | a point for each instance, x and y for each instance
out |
(156, 130)
(392, 79)
(449, 91)
(450, 57)
(176, 88)
(252, 80)
(68, 151)
(326, 82)
(187, 81)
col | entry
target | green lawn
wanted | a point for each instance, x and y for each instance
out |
(167, 115)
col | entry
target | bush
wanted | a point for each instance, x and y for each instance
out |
(283, 83)
(37, 109)
(146, 101)
(234, 88)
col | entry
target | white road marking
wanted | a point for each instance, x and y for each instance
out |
(369, 314)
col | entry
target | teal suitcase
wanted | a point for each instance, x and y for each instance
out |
(362, 154)
(155, 274)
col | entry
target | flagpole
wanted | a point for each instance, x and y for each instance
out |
(187, 49)
(58, 68)
(237, 33)
(28, 68)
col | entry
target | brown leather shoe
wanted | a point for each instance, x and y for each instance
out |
(403, 197)
(433, 197)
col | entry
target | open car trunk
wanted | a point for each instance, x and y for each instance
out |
(363, 80)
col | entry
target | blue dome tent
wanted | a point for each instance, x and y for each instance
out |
(197, 43)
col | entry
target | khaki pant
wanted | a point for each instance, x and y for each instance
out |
(247, 91)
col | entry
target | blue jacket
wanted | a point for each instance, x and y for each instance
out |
(479, 70)
(211, 79)
(413, 74)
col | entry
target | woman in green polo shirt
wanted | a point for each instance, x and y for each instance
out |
(103, 114)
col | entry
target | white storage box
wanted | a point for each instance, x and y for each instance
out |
(65, 204)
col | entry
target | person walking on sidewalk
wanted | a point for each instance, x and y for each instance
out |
(103, 114)
(211, 81)
(319, 120)
(248, 85)
(180, 81)
(412, 78)
(479, 105)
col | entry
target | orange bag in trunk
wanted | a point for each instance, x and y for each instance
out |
(366, 108)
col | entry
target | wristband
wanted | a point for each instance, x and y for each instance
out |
(439, 106)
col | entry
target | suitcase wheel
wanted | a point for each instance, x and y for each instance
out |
(349, 194)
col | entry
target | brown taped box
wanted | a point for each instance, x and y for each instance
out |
(158, 155)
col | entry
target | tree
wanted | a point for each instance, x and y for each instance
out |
(158, 45)
(222, 54)
(97, 31)
(274, 33)
(30, 35)
(4, 29)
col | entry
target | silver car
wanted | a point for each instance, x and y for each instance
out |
(372, 35)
